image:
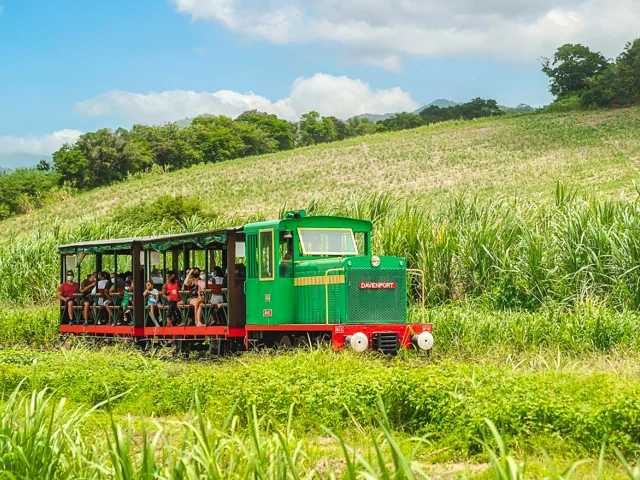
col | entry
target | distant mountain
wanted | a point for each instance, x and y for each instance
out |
(374, 118)
(521, 108)
(441, 102)
(21, 160)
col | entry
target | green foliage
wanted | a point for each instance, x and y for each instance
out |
(400, 121)
(277, 130)
(620, 83)
(566, 408)
(170, 209)
(578, 73)
(509, 253)
(24, 189)
(571, 68)
(314, 129)
(568, 103)
(35, 326)
(360, 126)
(476, 108)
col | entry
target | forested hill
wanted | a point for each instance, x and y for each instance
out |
(526, 155)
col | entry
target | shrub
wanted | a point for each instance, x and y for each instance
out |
(172, 209)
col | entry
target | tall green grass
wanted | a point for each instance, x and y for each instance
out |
(465, 329)
(560, 406)
(43, 438)
(510, 253)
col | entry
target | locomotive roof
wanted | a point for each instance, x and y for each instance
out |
(160, 243)
(355, 224)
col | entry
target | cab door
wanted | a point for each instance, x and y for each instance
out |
(261, 280)
(266, 277)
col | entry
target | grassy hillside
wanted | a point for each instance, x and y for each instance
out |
(520, 155)
(533, 291)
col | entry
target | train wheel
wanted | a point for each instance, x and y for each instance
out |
(284, 343)
(323, 341)
(303, 342)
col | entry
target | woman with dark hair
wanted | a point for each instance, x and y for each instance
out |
(194, 288)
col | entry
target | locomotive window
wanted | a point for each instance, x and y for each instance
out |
(326, 241)
(266, 254)
(286, 256)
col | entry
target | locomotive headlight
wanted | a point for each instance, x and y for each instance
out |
(424, 341)
(358, 341)
(375, 261)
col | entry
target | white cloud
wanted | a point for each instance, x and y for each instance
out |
(381, 31)
(45, 145)
(342, 97)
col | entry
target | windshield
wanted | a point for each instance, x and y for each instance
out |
(320, 241)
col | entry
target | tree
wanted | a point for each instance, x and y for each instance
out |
(24, 189)
(279, 130)
(571, 68)
(73, 166)
(314, 129)
(402, 121)
(435, 114)
(360, 126)
(215, 138)
(619, 83)
(341, 128)
(627, 69)
(476, 108)
(43, 166)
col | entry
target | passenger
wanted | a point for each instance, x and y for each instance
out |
(127, 303)
(204, 283)
(152, 301)
(218, 275)
(116, 286)
(194, 295)
(66, 294)
(86, 288)
(241, 270)
(171, 293)
(102, 290)
(216, 282)
(116, 283)
(156, 276)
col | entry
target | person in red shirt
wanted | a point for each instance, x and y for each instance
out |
(66, 294)
(171, 293)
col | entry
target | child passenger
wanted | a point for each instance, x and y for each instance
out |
(127, 302)
(152, 302)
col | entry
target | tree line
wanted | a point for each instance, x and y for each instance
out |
(107, 156)
(582, 78)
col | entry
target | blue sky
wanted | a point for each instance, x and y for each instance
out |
(74, 66)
